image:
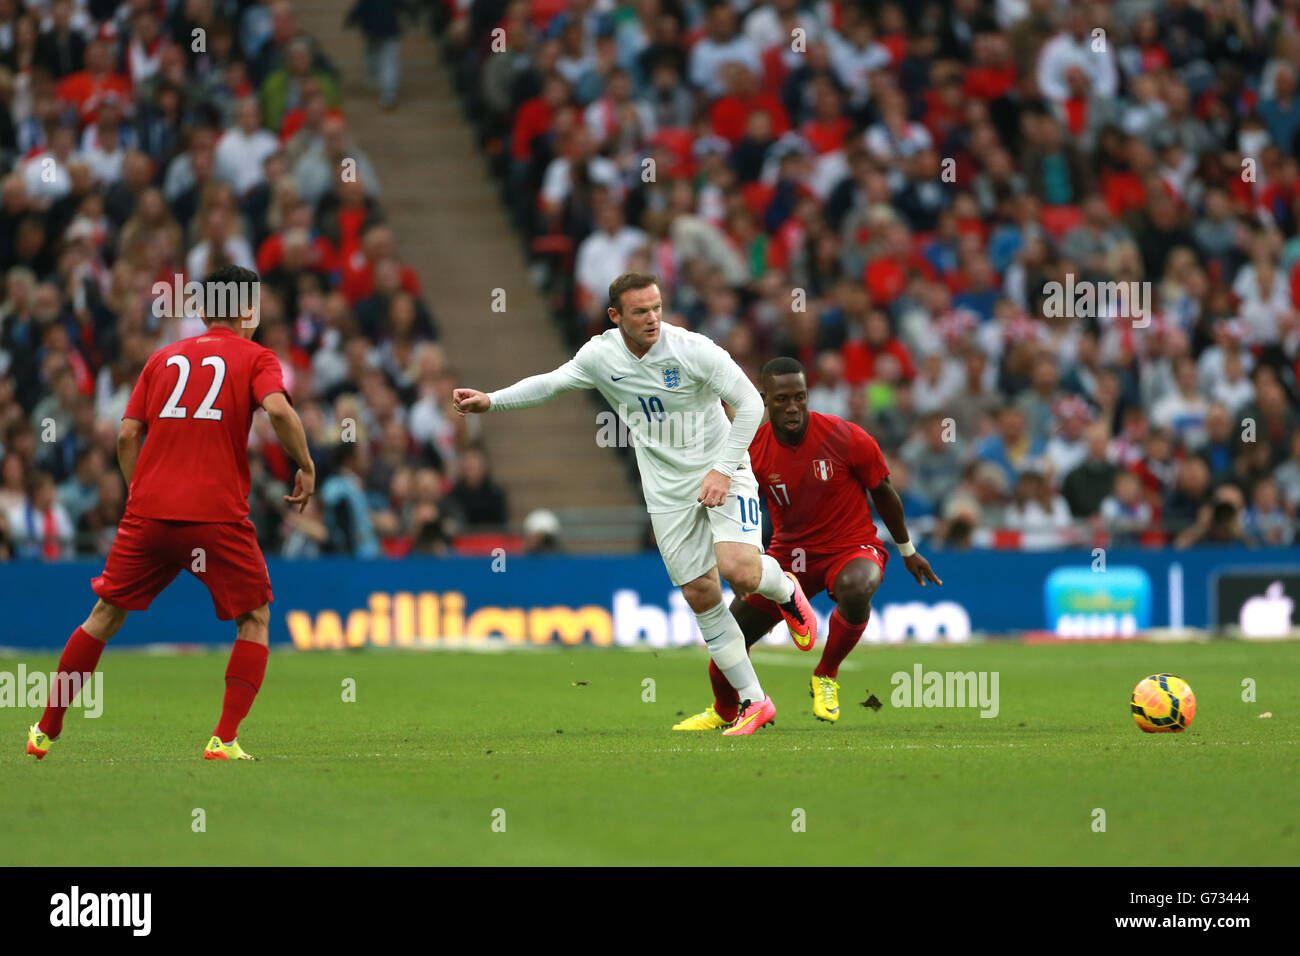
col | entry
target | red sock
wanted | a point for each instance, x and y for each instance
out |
(80, 656)
(725, 699)
(841, 638)
(244, 676)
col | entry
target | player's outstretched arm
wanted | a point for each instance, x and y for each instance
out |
(890, 508)
(129, 439)
(288, 428)
(530, 391)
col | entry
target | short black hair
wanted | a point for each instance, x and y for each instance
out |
(219, 281)
(231, 273)
(781, 365)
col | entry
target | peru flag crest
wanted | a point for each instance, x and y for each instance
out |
(823, 469)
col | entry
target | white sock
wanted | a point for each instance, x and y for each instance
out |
(774, 585)
(727, 648)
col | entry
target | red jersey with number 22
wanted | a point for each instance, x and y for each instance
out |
(196, 398)
(817, 490)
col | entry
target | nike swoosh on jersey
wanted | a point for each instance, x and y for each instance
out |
(617, 378)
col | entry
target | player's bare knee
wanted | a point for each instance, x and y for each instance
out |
(702, 594)
(105, 620)
(742, 574)
(743, 581)
(854, 589)
(863, 591)
(260, 617)
(697, 598)
(254, 625)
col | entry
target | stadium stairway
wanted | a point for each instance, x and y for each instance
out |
(451, 227)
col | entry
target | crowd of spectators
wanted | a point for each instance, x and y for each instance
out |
(887, 191)
(151, 141)
(883, 190)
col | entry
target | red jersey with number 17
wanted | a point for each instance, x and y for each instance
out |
(196, 398)
(817, 490)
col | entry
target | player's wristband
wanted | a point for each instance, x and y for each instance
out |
(907, 549)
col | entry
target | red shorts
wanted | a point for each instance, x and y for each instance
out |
(820, 574)
(148, 553)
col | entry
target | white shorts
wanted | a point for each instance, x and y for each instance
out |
(686, 537)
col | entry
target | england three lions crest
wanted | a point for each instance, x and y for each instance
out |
(823, 468)
(672, 377)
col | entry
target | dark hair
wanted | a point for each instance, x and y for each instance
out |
(346, 453)
(1224, 512)
(218, 283)
(15, 428)
(627, 282)
(781, 365)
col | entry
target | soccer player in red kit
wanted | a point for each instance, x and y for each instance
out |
(817, 471)
(183, 450)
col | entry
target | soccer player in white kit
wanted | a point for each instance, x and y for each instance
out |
(665, 383)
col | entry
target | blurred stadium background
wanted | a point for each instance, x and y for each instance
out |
(883, 190)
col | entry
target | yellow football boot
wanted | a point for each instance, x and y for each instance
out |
(38, 742)
(216, 750)
(707, 720)
(825, 694)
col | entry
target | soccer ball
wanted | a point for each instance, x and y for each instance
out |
(1163, 703)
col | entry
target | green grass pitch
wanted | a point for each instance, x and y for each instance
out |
(587, 772)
